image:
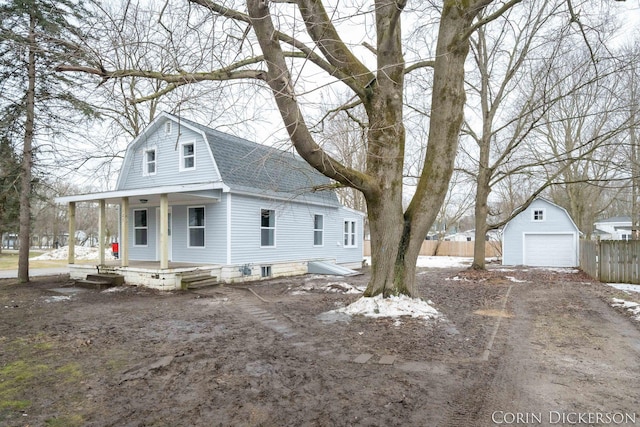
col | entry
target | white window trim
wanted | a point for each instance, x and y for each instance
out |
(204, 227)
(353, 231)
(140, 228)
(145, 163)
(544, 215)
(318, 229)
(275, 225)
(168, 126)
(182, 144)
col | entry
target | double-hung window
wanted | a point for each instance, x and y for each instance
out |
(140, 227)
(267, 227)
(149, 162)
(196, 227)
(187, 156)
(318, 230)
(349, 234)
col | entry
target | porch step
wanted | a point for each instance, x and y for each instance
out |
(197, 279)
(101, 281)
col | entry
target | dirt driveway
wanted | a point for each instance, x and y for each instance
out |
(511, 348)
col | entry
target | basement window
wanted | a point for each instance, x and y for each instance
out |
(265, 271)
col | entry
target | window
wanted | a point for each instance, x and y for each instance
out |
(196, 227)
(625, 237)
(149, 167)
(265, 271)
(167, 127)
(267, 227)
(140, 227)
(538, 214)
(318, 230)
(349, 234)
(187, 156)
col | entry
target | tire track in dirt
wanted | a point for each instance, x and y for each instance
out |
(565, 352)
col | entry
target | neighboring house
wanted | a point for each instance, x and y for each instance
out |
(470, 236)
(542, 235)
(191, 194)
(615, 228)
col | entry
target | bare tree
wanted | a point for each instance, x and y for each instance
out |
(520, 75)
(269, 47)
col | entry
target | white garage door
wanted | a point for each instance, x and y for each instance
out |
(550, 250)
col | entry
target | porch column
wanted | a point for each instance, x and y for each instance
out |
(71, 259)
(164, 228)
(102, 223)
(124, 232)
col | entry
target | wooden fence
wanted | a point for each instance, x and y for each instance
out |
(445, 248)
(611, 261)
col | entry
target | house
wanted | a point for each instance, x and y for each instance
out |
(191, 197)
(541, 235)
(615, 228)
(470, 236)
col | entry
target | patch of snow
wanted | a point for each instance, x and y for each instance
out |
(81, 253)
(336, 287)
(565, 270)
(390, 307)
(57, 298)
(625, 287)
(114, 289)
(630, 306)
(514, 280)
(438, 261)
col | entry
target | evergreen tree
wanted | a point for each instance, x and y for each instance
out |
(9, 189)
(37, 104)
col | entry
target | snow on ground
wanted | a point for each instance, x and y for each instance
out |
(337, 287)
(81, 253)
(625, 287)
(390, 307)
(438, 261)
(632, 307)
(514, 280)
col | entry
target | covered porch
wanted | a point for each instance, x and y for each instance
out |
(160, 272)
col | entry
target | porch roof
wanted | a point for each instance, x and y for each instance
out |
(151, 195)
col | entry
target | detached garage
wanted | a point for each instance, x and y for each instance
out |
(543, 235)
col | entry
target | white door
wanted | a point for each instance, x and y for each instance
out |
(169, 232)
(550, 250)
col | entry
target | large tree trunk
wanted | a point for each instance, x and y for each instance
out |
(396, 238)
(27, 160)
(447, 113)
(483, 188)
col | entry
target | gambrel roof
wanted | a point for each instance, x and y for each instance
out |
(246, 166)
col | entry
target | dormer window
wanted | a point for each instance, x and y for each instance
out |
(149, 162)
(187, 156)
(167, 127)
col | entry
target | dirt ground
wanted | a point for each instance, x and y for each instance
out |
(519, 347)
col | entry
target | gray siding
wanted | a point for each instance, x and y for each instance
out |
(167, 159)
(294, 232)
(556, 221)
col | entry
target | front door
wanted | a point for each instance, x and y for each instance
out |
(169, 232)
